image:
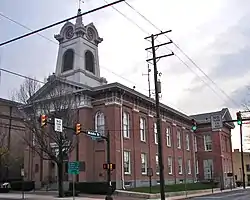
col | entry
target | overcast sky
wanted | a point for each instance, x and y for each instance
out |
(214, 33)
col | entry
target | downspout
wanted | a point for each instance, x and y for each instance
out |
(122, 144)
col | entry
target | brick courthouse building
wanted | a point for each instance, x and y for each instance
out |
(129, 117)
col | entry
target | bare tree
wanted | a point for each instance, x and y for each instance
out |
(58, 101)
(3, 150)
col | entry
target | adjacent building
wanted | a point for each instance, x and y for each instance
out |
(238, 167)
(214, 148)
(11, 141)
(129, 116)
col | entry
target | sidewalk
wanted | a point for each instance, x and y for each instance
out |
(49, 195)
(201, 194)
(41, 197)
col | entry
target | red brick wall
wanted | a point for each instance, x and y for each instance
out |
(217, 154)
(94, 152)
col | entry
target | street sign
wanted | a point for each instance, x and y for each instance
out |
(216, 122)
(149, 171)
(22, 172)
(94, 134)
(58, 125)
(73, 167)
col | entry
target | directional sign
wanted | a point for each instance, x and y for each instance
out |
(22, 172)
(216, 122)
(58, 125)
(94, 134)
(73, 167)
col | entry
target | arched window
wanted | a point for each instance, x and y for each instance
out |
(100, 123)
(89, 62)
(68, 60)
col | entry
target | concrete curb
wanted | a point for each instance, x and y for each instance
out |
(181, 194)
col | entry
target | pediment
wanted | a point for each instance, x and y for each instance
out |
(53, 89)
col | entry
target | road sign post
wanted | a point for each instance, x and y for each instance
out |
(22, 175)
(150, 174)
(73, 169)
(216, 122)
(58, 125)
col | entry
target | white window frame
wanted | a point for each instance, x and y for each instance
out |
(178, 134)
(144, 162)
(157, 166)
(143, 129)
(126, 131)
(170, 165)
(189, 171)
(187, 141)
(197, 166)
(195, 144)
(180, 165)
(155, 133)
(127, 159)
(100, 122)
(168, 136)
(208, 143)
(207, 168)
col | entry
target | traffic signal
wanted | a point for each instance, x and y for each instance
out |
(239, 118)
(110, 166)
(194, 125)
(78, 129)
(105, 166)
(43, 120)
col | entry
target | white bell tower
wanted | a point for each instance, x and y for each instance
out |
(77, 58)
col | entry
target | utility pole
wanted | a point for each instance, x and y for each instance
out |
(157, 104)
(149, 87)
(242, 157)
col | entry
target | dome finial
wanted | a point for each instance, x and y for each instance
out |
(79, 18)
(79, 4)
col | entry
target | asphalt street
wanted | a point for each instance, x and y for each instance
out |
(232, 195)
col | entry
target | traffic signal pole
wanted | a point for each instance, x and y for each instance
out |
(157, 105)
(242, 157)
(109, 193)
(43, 120)
(108, 160)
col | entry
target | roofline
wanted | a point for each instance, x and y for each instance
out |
(10, 102)
(136, 93)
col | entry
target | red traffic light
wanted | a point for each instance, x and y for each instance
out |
(43, 120)
(78, 129)
(105, 166)
(110, 166)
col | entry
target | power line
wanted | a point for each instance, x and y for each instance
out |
(215, 92)
(178, 47)
(23, 76)
(20, 75)
(60, 22)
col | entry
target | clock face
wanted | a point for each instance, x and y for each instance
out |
(90, 34)
(69, 33)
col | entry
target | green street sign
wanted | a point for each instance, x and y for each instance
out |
(73, 167)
